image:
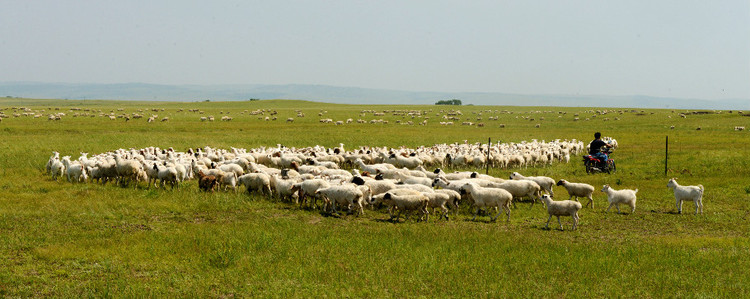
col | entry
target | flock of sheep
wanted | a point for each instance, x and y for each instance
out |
(445, 117)
(393, 177)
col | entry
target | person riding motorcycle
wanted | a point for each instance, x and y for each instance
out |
(595, 148)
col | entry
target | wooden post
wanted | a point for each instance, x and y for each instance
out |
(666, 155)
(487, 162)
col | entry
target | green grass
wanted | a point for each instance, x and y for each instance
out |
(83, 240)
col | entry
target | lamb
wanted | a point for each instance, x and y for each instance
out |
(683, 193)
(579, 190)
(348, 195)
(256, 181)
(454, 198)
(438, 200)
(561, 208)
(403, 203)
(544, 182)
(488, 197)
(617, 197)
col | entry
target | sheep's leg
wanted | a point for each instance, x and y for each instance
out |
(591, 201)
(548, 220)
(575, 220)
(699, 203)
(507, 212)
(679, 206)
(498, 215)
(610, 206)
(618, 208)
(560, 223)
(475, 214)
(445, 212)
(633, 209)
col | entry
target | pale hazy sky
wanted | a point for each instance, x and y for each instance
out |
(686, 49)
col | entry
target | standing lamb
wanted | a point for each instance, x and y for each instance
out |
(682, 193)
(617, 197)
(561, 208)
(579, 190)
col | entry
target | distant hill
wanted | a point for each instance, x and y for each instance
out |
(336, 94)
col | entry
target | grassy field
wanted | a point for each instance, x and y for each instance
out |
(87, 240)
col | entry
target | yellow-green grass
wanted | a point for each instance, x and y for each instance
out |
(64, 240)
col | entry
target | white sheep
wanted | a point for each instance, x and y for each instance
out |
(546, 183)
(579, 190)
(283, 188)
(617, 197)
(347, 195)
(523, 188)
(256, 181)
(308, 188)
(488, 197)
(75, 171)
(438, 200)
(57, 169)
(690, 193)
(409, 202)
(561, 208)
(455, 198)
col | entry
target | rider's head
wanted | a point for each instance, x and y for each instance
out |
(597, 135)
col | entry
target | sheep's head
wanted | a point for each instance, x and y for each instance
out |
(672, 183)
(359, 181)
(605, 188)
(437, 171)
(379, 177)
(561, 182)
(474, 175)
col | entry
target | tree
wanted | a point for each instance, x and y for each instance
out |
(456, 102)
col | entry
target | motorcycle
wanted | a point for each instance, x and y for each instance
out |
(596, 165)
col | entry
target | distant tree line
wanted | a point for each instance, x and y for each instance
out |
(456, 102)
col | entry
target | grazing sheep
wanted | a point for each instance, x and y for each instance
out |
(488, 197)
(546, 183)
(683, 193)
(561, 208)
(617, 197)
(579, 190)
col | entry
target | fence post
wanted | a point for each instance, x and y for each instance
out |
(666, 155)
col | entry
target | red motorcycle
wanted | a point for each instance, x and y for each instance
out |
(595, 165)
